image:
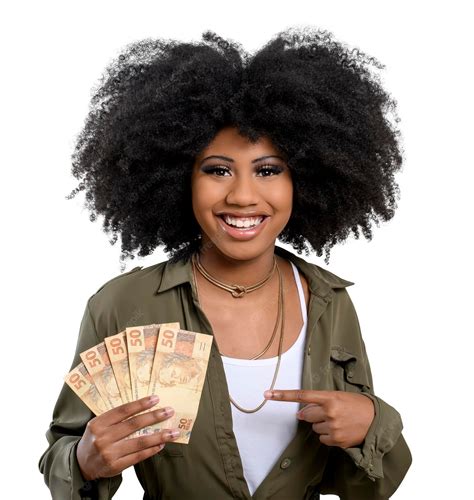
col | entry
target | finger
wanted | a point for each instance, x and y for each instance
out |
(136, 444)
(133, 458)
(321, 428)
(312, 413)
(327, 440)
(126, 410)
(137, 422)
(299, 396)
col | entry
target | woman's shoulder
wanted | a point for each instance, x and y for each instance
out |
(135, 275)
(125, 286)
(318, 277)
(332, 279)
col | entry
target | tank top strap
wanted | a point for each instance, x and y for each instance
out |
(300, 292)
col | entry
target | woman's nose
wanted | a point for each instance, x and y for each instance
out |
(242, 191)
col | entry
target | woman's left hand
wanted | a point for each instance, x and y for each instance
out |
(340, 418)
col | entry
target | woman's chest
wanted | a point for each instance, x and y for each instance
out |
(243, 330)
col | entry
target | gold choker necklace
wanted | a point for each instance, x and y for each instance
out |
(236, 290)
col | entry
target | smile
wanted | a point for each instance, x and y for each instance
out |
(242, 228)
(242, 222)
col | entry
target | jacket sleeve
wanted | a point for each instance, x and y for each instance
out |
(70, 416)
(374, 469)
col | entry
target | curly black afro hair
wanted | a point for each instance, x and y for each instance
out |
(160, 102)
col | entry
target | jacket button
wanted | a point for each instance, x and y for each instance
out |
(309, 350)
(285, 463)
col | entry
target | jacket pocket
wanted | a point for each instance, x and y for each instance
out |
(349, 371)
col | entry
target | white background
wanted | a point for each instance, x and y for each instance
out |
(412, 281)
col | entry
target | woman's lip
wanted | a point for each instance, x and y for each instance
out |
(245, 234)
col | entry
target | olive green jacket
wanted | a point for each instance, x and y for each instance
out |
(209, 467)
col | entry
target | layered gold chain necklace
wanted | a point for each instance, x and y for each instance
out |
(238, 291)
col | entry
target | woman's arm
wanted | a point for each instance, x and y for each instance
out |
(343, 478)
(59, 463)
(374, 469)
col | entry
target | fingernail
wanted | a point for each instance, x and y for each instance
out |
(174, 433)
(154, 399)
(168, 410)
(268, 394)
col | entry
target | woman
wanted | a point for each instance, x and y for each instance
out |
(215, 154)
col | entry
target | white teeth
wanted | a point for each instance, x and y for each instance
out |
(244, 222)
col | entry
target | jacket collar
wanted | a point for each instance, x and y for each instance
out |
(320, 281)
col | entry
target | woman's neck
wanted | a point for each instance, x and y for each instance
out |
(228, 269)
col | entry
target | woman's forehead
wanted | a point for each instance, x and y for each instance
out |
(230, 143)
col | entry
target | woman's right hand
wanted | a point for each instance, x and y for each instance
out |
(103, 452)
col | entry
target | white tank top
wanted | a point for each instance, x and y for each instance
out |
(263, 436)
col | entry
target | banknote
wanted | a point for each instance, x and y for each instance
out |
(141, 344)
(97, 362)
(117, 349)
(80, 381)
(178, 374)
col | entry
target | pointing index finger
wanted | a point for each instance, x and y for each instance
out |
(298, 395)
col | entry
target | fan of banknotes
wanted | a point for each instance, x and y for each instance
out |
(139, 361)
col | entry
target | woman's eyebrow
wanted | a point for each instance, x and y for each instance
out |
(231, 160)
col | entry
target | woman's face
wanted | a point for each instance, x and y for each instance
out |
(237, 183)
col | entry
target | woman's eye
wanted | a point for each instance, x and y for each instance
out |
(217, 170)
(270, 170)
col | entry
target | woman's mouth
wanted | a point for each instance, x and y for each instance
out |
(242, 228)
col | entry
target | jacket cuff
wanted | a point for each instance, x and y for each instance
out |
(99, 489)
(382, 435)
